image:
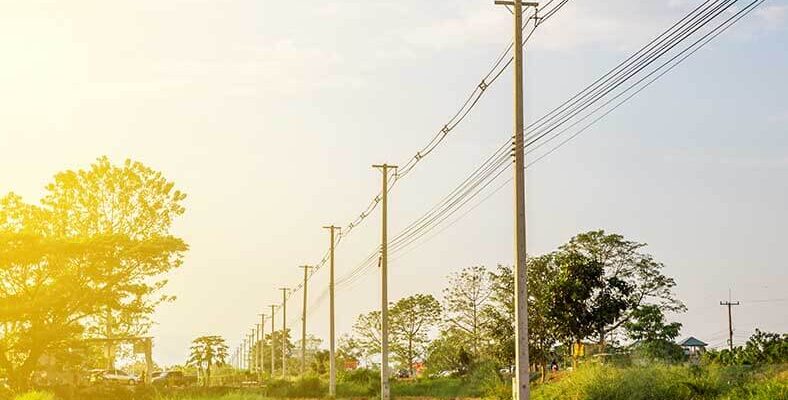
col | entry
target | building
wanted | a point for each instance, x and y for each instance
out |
(693, 347)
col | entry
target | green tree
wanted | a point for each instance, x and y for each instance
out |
(654, 336)
(542, 329)
(647, 322)
(761, 348)
(367, 335)
(312, 349)
(583, 298)
(276, 338)
(499, 316)
(348, 351)
(97, 246)
(465, 298)
(626, 266)
(411, 319)
(207, 352)
(319, 362)
(543, 332)
(131, 200)
(447, 353)
(766, 348)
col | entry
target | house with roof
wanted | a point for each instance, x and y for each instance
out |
(693, 347)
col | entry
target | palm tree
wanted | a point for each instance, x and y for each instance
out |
(207, 351)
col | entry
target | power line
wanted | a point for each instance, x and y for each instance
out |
(438, 138)
(659, 46)
(492, 168)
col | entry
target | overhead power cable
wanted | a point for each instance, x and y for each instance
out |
(620, 74)
(489, 78)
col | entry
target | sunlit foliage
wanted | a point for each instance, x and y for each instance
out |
(86, 262)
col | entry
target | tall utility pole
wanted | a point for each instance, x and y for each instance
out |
(284, 331)
(332, 372)
(730, 303)
(522, 375)
(384, 301)
(303, 321)
(257, 350)
(251, 350)
(273, 367)
(261, 358)
(243, 355)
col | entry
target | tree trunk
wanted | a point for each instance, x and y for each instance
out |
(410, 357)
(19, 380)
(543, 366)
(602, 343)
(574, 354)
(19, 377)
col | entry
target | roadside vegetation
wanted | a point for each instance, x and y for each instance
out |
(91, 256)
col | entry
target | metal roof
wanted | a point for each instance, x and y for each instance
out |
(692, 342)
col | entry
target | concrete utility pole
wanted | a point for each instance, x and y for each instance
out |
(257, 350)
(284, 331)
(522, 364)
(261, 358)
(243, 355)
(385, 393)
(273, 367)
(251, 350)
(730, 303)
(332, 372)
(303, 320)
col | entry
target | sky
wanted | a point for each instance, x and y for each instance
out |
(269, 115)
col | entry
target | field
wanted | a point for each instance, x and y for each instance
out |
(588, 383)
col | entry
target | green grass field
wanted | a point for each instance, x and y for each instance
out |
(588, 383)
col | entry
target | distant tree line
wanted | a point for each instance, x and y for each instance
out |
(761, 348)
(598, 288)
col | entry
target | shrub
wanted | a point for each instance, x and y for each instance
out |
(596, 382)
(307, 386)
(359, 382)
(35, 396)
(770, 389)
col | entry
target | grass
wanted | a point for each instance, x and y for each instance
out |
(662, 382)
(36, 396)
(594, 382)
(229, 396)
(440, 388)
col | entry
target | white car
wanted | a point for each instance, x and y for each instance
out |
(116, 376)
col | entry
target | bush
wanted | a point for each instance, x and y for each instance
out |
(596, 382)
(360, 375)
(665, 382)
(35, 396)
(358, 383)
(308, 386)
(770, 390)
(761, 349)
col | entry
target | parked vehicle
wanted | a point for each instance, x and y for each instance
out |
(403, 374)
(116, 376)
(169, 378)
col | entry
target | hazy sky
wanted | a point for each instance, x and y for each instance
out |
(269, 114)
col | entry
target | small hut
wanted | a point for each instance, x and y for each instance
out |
(692, 346)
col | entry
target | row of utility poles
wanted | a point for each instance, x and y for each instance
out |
(251, 353)
(243, 357)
